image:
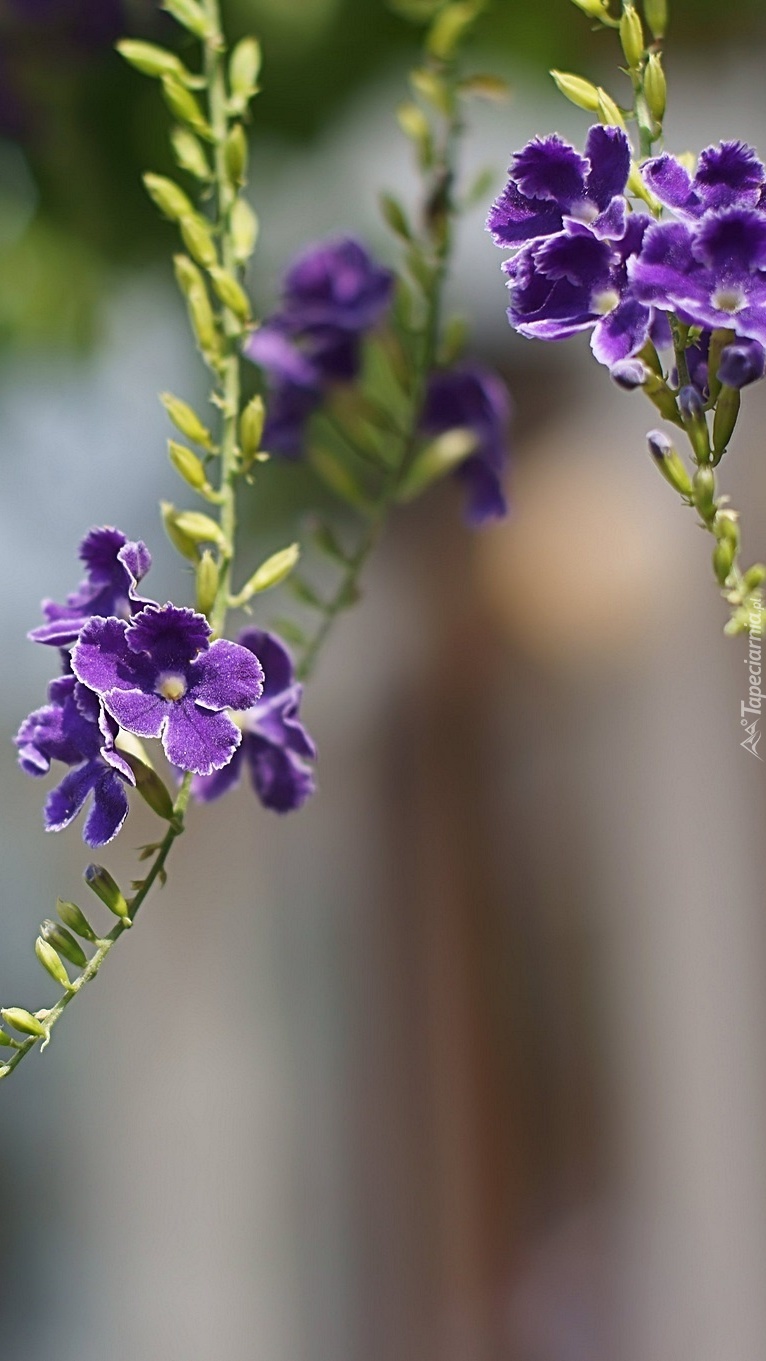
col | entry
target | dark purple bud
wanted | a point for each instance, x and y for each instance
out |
(690, 402)
(659, 445)
(742, 363)
(629, 374)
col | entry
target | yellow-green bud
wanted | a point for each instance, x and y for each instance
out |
(595, 9)
(669, 462)
(577, 91)
(608, 111)
(704, 492)
(6, 1040)
(231, 294)
(236, 154)
(152, 789)
(185, 107)
(449, 27)
(655, 87)
(244, 231)
(754, 577)
(203, 322)
(189, 154)
(187, 274)
(76, 920)
(187, 465)
(414, 125)
(23, 1020)
(183, 543)
(270, 573)
(63, 941)
(151, 60)
(244, 69)
(100, 882)
(723, 559)
(170, 200)
(725, 418)
(186, 420)
(190, 15)
(632, 37)
(725, 527)
(656, 15)
(433, 88)
(198, 239)
(208, 578)
(52, 964)
(200, 528)
(251, 424)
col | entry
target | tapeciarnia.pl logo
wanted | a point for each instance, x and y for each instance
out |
(751, 708)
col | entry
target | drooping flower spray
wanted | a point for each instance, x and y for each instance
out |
(360, 375)
(662, 261)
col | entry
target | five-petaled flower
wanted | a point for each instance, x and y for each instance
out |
(160, 676)
(275, 744)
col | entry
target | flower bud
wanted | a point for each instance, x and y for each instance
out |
(64, 942)
(608, 111)
(632, 37)
(198, 239)
(208, 578)
(152, 789)
(185, 107)
(244, 69)
(669, 462)
(199, 528)
(741, 363)
(187, 275)
(414, 125)
(189, 154)
(183, 543)
(190, 15)
(231, 294)
(100, 882)
(170, 200)
(270, 573)
(754, 577)
(723, 559)
(595, 9)
(449, 28)
(577, 91)
(151, 60)
(725, 526)
(6, 1041)
(235, 152)
(187, 465)
(693, 415)
(725, 419)
(704, 492)
(661, 396)
(656, 15)
(244, 231)
(76, 920)
(203, 323)
(655, 87)
(23, 1020)
(251, 424)
(186, 420)
(52, 964)
(629, 374)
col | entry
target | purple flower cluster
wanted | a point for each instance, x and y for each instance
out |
(153, 671)
(586, 261)
(332, 295)
(472, 397)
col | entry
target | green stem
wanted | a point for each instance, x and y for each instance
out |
(175, 829)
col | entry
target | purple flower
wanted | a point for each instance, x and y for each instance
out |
(275, 743)
(114, 567)
(473, 397)
(550, 183)
(332, 294)
(727, 176)
(160, 676)
(711, 273)
(73, 729)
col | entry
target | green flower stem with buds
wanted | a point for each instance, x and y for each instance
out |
(218, 323)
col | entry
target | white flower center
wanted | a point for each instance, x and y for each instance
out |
(170, 685)
(728, 299)
(583, 211)
(604, 302)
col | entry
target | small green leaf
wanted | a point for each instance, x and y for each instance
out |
(395, 216)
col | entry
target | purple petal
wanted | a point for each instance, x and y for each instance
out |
(280, 780)
(729, 175)
(622, 333)
(60, 632)
(65, 801)
(136, 559)
(514, 219)
(485, 499)
(172, 635)
(550, 168)
(741, 363)
(671, 183)
(199, 740)
(99, 552)
(206, 788)
(608, 152)
(579, 258)
(273, 351)
(611, 225)
(108, 811)
(102, 660)
(226, 676)
(734, 238)
(273, 657)
(137, 711)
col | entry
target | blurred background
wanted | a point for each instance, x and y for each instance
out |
(465, 1061)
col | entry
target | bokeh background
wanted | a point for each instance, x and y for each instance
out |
(465, 1062)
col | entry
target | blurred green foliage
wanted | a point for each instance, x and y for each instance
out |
(72, 205)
